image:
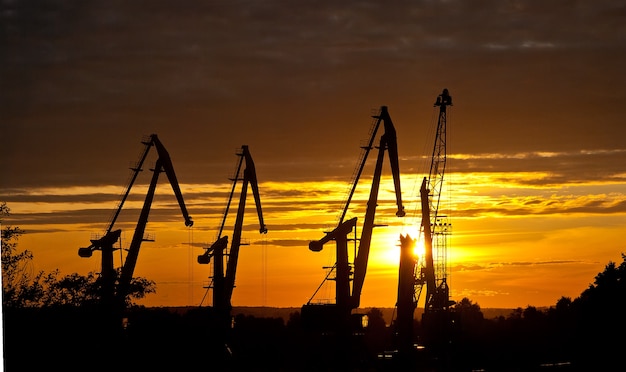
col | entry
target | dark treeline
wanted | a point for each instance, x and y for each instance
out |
(583, 334)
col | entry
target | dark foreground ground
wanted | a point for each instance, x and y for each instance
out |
(160, 339)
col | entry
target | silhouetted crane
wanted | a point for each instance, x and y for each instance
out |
(114, 289)
(336, 317)
(224, 283)
(431, 271)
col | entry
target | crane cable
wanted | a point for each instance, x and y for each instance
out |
(450, 184)
(264, 271)
(190, 265)
(424, 159)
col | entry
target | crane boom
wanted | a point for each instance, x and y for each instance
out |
(136, 169)
(390, 132)
(164, 157)
(163, 163)
(249, 178)
(138, 237)
(105, 243)
(388, 141)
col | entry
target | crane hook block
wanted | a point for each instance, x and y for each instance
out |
(219, 245)
(316, 246)
(188, 222)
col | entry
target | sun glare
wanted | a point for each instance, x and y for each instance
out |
(390, 254)
(386, 247)
(419, 250)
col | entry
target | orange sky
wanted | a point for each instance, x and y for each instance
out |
(536, 147)
(512, 244)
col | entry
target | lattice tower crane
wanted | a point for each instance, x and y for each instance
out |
(431, 271)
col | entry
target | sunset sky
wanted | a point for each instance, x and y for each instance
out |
(537, 152)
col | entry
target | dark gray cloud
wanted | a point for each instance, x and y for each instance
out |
(579, 166)
(297, 81)
(541, 207)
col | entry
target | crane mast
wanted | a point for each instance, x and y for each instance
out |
(434, 227)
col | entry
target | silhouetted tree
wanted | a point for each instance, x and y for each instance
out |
(377, 336)
(563, 303)
(468, 344)
(375, 320)
(609, 287)
(295, 320)
(469, 313)
(17, 273)
(597, 316)
(22, 288)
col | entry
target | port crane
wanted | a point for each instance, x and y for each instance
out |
(223, 283)
(431, 270)
(337, 316)
(115, 289)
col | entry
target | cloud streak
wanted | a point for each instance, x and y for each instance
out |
(118, 70)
